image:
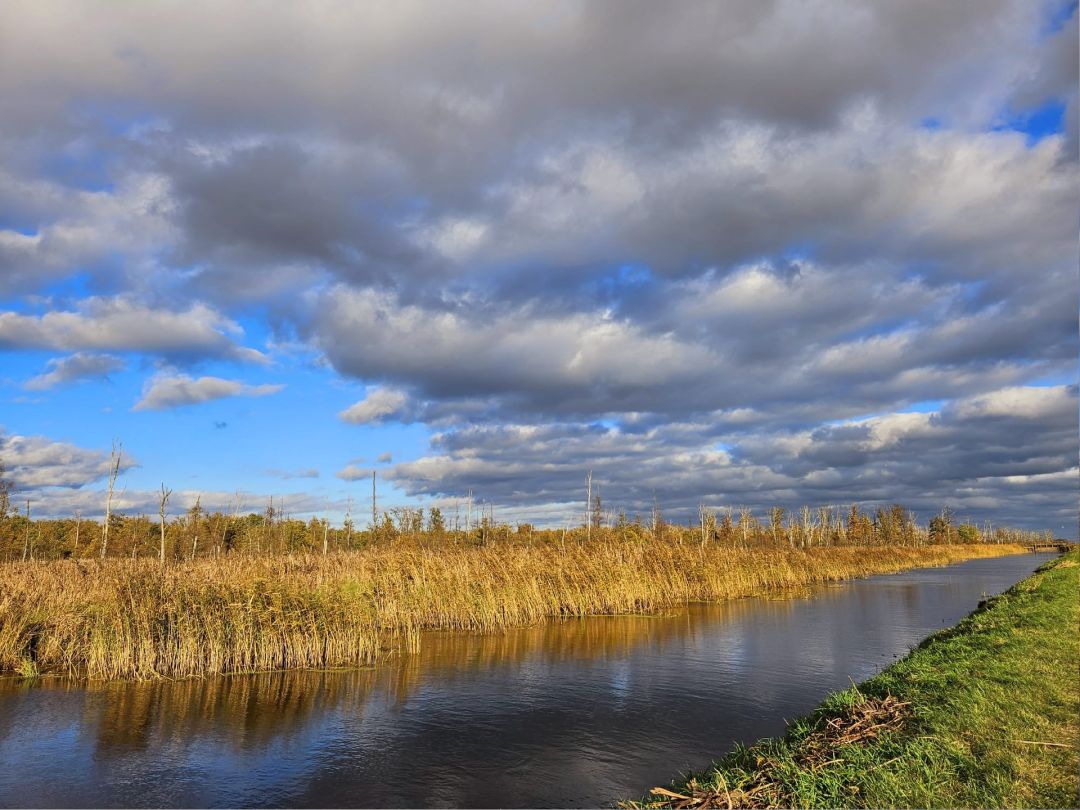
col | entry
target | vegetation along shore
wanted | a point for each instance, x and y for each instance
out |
(985, 714)
(124, 617)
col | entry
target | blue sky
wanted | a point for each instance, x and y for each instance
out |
(488, 252)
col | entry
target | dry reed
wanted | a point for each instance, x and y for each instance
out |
(119, 618)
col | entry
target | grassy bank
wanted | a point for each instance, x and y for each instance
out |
(137, 619)
(982, 715)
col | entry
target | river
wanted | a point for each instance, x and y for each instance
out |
(571, 713)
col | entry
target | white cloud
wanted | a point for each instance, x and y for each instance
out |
(353, 473)
(123, 324)
(301, 472)
(167, 390)
(379, 404)
(37, 462)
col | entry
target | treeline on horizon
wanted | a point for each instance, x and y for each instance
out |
(198, 533)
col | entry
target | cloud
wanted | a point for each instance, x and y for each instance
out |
(130, 215)
(33, 463)
(596, 234)
(75, 368)
(379, 405)
(353, 473)
(122, 324)
(56, 502)
(845, 339)
(306, 472)
(455, 352)
(166, 391)
(979, 455)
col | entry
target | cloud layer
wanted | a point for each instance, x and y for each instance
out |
(712, 253)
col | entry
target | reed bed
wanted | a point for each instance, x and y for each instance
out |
(116, 618)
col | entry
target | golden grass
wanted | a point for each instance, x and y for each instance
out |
(137, 619)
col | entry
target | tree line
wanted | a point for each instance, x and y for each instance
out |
(197, 532)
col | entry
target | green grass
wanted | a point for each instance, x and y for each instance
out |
(992, 721)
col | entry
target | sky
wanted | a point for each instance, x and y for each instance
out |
(742, 254)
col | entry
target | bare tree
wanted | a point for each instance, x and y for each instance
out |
(348, 523)
(708, 522)
(824, 524)
(745, 516)
(195, 514)
(237, 500)
(6, 488)
(267, 528)
(374, 514)
(588, 505)
(114, 471)
(26, 534)
(78, 524)
(325, 535)
(165, 493)
(807, 521)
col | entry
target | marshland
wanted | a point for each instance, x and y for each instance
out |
(218, 593)
(570, 712)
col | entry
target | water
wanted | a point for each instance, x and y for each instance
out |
(575, 713)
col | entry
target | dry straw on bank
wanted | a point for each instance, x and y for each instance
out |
(118, 618)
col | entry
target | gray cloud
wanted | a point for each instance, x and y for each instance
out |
(762, 336)
(75, 368)
(987, 454)
(167, 390)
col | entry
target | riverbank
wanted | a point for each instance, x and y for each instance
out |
(118, 618)
(984, 714)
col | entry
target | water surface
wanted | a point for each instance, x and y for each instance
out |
(573, 713)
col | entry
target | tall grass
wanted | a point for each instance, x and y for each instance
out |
(135, 618)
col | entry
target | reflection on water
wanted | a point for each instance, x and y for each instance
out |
(580, 712)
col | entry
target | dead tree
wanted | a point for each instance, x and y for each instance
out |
(114, 471)
(348, 523)
(745, 516)
(26, 534)
(588, 506)
(78, 523)
(374, 514)
(165, 493)
(229, 520)
(708, 522)
(196, 517)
